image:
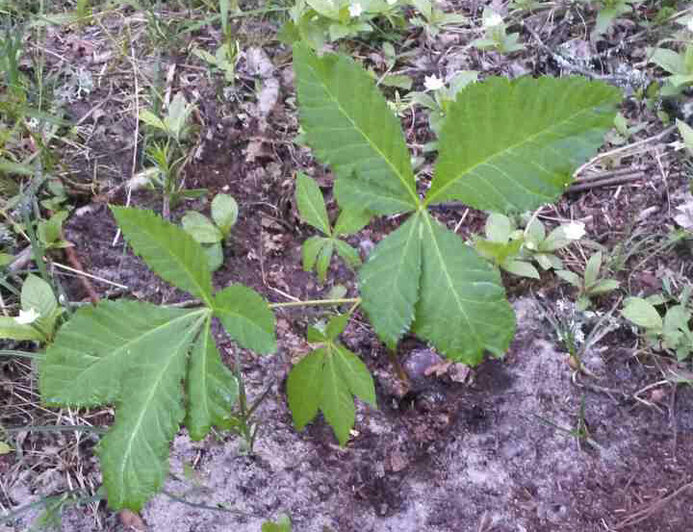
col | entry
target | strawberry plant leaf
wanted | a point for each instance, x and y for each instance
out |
(350, 127)
(389, 281)
(528, 136)
(311, 204)
(246, 317)
(212, 388)
(355, 373)
(168, 250)
(462, 308)
(134, 452)
(11, 329)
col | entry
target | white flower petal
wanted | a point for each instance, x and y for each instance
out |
(493, 20)
(355, 10)
(27, 316)
(574, 230)
(433, 83)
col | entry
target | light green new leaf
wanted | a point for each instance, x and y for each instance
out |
(224, 212)
(212, 388)
(336, 326)
(594, 264)
(349, 254)
(512, 145)
(311, 250)
(12, 330)
(686, 133)
(168, 250)
(85, 364)
(311, 204)
(642, 313)
(324, 258)
(668, 60)
(389, 281)
(350, 127)
(351, 221)
(151, 119)
(247, 318)
(134, 452)
(38, 294)
(462, 308)
(326, 379)
(201, 228)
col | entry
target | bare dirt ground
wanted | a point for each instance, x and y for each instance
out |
(525, 443)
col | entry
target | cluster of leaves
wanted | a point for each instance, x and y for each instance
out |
(513, 249)
(224, 59)
(608, 12)
(211, 233)
(433, 19)
(318, 250)
(505, 146)
(38, 315)
(134, 355)
(666, 329)
(326, 379)
(496, 36)
(592, 283)
(679, 65)
(318, 22)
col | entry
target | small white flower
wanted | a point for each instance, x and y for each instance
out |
(530, 245)
(391, 2)
(355, 10)
(27, 316)
(689, 25)
(493, 20)
(574, 230)
(433, 83)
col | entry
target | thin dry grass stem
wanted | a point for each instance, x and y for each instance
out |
(650, 509)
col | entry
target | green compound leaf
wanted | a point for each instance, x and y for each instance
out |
(348, 253)
(131, 354)
(350, 127)
(324, 259)
(389, 281)
(462, 309)
(212, 388)
(513, 145)
(351, 221)
(86, 364)
(326, 380)
(247, 318)
(311, 204)
(168, 250)
(134, 452)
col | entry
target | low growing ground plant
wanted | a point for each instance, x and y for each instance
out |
(505, 147)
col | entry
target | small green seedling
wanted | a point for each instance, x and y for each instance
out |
(225, 59)
(495, 35)
(210, 234)
(326, 379)
(441, 97)
(318, 250)
(49, 231)
(672, 332)
(678, 64)
(609, 11)
(318, 22)
(283, 524)
(513, 249)
(38, 315)
(591, 284)
(175, 123)
(434, 19)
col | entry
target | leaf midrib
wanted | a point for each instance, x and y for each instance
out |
(526, 140)
(341, 109)
(450, 282)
